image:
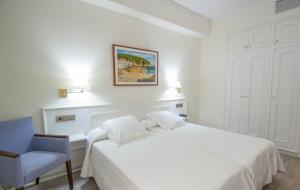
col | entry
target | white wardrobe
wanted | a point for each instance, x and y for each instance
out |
(263, 83)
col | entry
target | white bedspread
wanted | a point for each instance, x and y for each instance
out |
(189, 157)
(157, 162)
(260, 156)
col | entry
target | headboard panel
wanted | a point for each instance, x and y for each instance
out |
(89, 117)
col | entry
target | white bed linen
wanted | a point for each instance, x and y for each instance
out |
(157, 162)
(259, 155)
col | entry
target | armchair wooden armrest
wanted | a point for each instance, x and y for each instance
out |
(51, 136)
(9, 154)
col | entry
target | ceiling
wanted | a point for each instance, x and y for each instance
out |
(212, 8)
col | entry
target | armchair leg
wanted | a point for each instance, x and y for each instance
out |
(69, 171)
(20, 188)
(37, 181)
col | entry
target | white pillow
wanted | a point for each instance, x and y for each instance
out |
(94, 135)
(123, 129)
(148, 123)
(166, 120)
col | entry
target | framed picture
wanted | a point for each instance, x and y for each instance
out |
(134, 66)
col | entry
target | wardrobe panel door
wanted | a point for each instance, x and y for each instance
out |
(234, 94)
(288, 31)
(261, 37)
(238, 42)
(285, 98)
(258, 92)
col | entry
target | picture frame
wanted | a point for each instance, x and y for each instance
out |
(134, 66)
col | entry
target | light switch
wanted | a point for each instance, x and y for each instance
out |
(180, 105)
(65, 118)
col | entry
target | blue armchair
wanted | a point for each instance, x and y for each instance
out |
(25, 156)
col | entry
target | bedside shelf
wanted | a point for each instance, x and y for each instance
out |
(77, 137)
(77, 141)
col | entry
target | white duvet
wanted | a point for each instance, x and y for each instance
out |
(260, 156)
(188, 158)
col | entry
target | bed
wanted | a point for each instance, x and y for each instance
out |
(190, 157)
(259, 155)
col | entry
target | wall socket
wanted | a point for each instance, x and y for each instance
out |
(63, 118)
(180, 105)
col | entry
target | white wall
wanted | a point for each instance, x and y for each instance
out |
(213, 61)
(44, 42)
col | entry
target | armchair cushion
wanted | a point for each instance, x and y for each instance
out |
(16, 135)
(37, 163)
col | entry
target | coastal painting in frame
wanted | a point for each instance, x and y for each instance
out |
(134, 66)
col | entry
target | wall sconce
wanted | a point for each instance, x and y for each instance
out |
(63, 92)
(178, 86)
